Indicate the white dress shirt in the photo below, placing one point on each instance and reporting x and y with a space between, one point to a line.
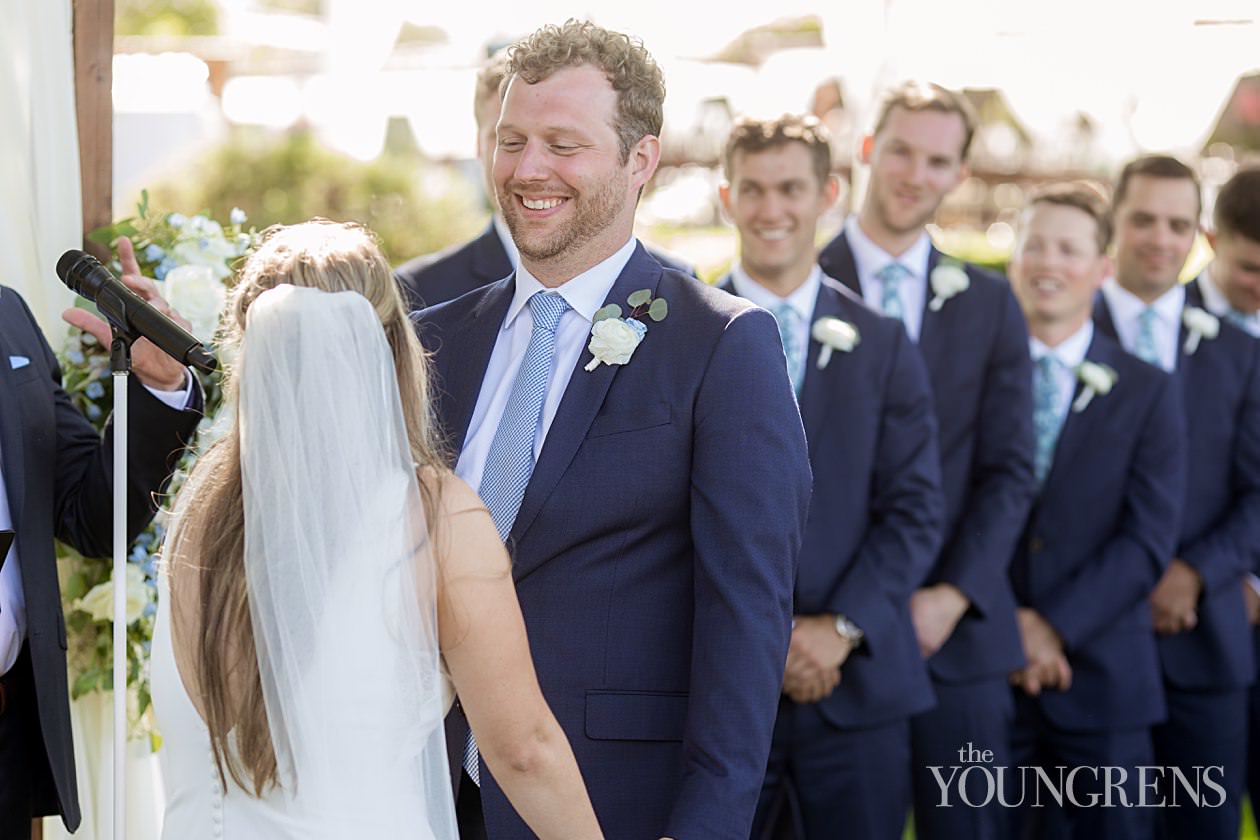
870 259
1214 301
585 294
1070 353
12 599
802 300
1127 307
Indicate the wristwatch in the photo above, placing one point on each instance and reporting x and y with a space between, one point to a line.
849 631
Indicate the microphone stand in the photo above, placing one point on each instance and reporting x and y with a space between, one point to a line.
120 368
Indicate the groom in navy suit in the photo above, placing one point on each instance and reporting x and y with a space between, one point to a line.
436 278
854 673
1200 616
1111 453
656 515
972 336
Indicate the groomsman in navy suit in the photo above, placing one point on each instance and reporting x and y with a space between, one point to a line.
1110 458
1229 288
1200 616
436 278
972 336
854 673
647 469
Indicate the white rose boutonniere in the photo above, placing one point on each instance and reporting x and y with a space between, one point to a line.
1201 324
1097 379
834 334
614 338
948 279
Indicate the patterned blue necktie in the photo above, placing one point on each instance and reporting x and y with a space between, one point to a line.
1144 343
510 461
789 332
1046 418
890 277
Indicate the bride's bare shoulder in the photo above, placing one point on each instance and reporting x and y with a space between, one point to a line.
464 534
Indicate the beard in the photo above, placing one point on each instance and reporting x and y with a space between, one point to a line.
593 213
916 222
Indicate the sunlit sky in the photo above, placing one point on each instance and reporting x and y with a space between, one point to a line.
1150 75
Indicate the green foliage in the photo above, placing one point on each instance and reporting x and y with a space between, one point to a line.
612 310
415 207
166 17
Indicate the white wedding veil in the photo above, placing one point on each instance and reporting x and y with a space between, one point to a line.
341 578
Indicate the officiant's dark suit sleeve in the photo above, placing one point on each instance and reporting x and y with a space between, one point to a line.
59 475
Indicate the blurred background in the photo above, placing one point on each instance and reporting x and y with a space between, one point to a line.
362 109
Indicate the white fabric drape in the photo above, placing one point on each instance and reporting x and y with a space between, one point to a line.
40 193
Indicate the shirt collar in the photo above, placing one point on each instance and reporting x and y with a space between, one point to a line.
802 299
1128 307
585 293
1214 299
871 257
505 239
1071 351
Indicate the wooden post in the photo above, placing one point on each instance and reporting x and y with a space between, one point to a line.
94 103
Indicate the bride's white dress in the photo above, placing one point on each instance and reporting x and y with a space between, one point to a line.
342 595
198 806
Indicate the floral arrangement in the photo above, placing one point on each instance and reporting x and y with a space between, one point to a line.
192 260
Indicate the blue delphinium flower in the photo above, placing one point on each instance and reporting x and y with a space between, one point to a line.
237 216
176 220
95 390
75 357
163 268
153 253
93 411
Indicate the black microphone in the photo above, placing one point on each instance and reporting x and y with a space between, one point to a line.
128 312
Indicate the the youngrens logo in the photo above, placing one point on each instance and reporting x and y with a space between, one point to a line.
976 782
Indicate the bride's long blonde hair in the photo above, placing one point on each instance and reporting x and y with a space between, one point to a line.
209 534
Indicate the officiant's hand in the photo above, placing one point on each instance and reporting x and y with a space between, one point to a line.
154 368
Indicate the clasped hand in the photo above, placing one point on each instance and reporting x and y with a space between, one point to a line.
815 654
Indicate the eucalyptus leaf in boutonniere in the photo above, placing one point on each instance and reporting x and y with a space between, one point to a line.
1201 324
614 338
1097 379
834 334
949 278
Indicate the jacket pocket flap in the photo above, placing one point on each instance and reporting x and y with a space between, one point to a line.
635 715
640 417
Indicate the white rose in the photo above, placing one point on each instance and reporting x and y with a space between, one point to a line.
948 279
194 292
212 251
1097 379
613 341
99 601
1201 324
833 334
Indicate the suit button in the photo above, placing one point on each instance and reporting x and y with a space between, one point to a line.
1035 545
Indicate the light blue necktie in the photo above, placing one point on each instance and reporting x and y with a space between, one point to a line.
890 277
789 332
1239 319
1047 420
1144 344
510 461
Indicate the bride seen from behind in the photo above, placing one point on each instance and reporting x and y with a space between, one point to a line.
326 570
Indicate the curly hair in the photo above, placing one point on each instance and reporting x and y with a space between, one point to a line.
627 65
751 136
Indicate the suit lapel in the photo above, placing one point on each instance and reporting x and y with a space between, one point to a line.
843 266
10 428
1103 319
1077 424
582 400
931 327
464 366
815 391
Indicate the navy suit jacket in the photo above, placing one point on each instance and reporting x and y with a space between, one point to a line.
877 513
654 551
58 471
436 278
1099 537
976 350
1219 386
